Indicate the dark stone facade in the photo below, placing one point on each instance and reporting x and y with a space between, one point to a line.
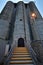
16 23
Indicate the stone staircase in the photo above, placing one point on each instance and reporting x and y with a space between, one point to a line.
21 56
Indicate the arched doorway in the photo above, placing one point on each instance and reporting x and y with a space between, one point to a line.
20 42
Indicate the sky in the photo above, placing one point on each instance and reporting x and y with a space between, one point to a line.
39 4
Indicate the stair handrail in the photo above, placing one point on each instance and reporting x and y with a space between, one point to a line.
9 55
34 53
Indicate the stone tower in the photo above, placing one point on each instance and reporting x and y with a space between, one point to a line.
21 21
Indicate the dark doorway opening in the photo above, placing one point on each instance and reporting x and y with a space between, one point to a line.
20 42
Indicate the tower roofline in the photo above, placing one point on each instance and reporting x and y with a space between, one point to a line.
31 2
20 1
9 2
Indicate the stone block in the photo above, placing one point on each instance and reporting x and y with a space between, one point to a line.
2 49
4 29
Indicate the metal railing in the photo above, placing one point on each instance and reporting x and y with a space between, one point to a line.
36 55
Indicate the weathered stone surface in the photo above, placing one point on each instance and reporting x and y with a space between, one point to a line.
33 9
2 49
37 29
38 49
4 29
21 26
7 11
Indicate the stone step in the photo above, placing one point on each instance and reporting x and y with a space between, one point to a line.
21 53
27 58
21 56
21 48
21 62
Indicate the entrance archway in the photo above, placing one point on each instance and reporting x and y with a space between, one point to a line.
20 42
